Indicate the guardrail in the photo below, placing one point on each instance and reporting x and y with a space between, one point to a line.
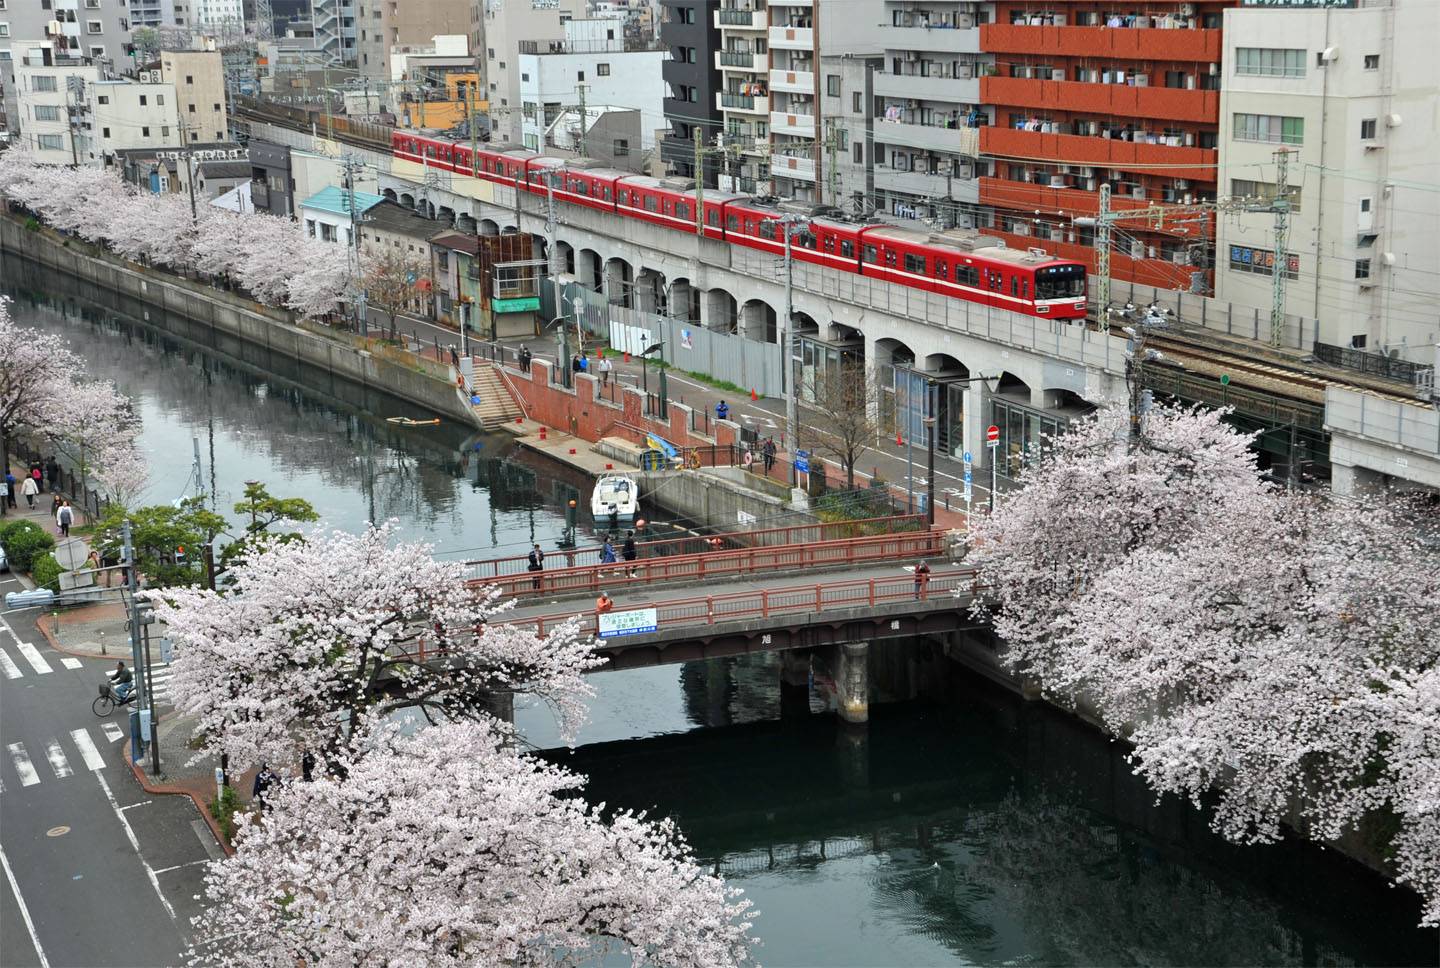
711 566
485 572
771 602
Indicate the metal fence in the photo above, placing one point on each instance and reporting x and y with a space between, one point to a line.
1418 375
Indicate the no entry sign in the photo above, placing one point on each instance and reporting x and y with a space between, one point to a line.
992 434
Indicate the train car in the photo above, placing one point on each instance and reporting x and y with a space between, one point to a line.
753 223
837 244
714 203
590 185
659 201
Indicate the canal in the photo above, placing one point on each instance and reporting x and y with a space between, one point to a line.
964 826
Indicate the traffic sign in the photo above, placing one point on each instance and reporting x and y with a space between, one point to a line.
992 435
1224 379
967 475
967 457
802 461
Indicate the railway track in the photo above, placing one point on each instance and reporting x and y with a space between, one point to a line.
1263 376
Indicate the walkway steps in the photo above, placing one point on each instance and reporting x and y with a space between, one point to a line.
497 404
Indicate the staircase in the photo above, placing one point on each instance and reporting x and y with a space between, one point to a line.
497 403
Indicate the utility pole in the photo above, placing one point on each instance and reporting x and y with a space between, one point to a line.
470 123
352 168
1102 257
699 180
832 175
189 164
137 663
562 348
580 92
787 353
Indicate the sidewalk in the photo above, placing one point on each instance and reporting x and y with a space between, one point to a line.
70 552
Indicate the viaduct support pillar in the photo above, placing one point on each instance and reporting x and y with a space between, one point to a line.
794 684
853 682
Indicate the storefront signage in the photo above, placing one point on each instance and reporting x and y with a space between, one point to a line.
525 304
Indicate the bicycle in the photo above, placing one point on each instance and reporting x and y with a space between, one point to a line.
107 701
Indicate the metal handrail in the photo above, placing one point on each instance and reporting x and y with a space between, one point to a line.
792 534
710 566
514 393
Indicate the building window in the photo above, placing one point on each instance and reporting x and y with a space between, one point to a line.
192 109
857 103
1269 62
1366 241
48 112
104 132
1270 128
165 131
4 28
579 75
327 232
103 99
145 132
524 77
1362 268
859 153
189 78
51 142
1264 191
602 70
159 99
1244 258
43 82
143 102
622 148
1372 61
832 85
94 27
215 106
1367 129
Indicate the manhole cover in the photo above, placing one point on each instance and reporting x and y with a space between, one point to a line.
57 831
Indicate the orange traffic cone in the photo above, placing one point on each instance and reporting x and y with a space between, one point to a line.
753 397
627 356
899 442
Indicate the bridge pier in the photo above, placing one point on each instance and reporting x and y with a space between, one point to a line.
852 682
794 684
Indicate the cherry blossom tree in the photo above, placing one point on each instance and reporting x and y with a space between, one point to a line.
36 369
90 422
447 848
1275 649
325 636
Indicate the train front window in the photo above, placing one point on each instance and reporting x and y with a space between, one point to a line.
1060 282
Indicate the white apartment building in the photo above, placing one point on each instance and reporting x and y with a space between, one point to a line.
49 94
771 90
1352 95
216 13
123 114
504 24
928 108
591 63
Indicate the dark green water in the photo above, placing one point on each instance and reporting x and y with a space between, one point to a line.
963 826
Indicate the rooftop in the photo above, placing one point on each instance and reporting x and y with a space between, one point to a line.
390 217
337 201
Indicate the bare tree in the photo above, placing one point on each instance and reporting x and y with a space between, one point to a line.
392 282
844 420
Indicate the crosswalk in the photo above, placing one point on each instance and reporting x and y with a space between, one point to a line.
28 661
61 756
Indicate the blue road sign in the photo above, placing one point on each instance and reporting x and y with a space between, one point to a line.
802 461
967 457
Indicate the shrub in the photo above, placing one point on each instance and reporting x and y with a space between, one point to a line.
223 810
23 542
46 572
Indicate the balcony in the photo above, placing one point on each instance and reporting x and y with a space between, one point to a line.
930 137
740 60
1125 43
1158 160
798 125
946 40
1020 196
795 82
743 103
915 87
733 19
792 38
1116 100
926 185
801 169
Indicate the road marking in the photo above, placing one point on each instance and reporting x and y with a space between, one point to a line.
88 752
59 765
23 766
132 806
135 844
71 662
32 655
188 863
24 911
112 732
7 664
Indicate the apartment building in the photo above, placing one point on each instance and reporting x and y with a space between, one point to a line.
1083 94
383 25
744 96
49 99
1350 95
97 31
852 157
120 114
198 77
593 63
505 23
690 33
217 13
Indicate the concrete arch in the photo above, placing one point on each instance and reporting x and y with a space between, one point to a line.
893 352
509 229
407 200
757 321
1011 385
588 269
427 208
805 324
648 292
446 215
465 222
682 301
945 365
488 226
618 279
389 194
565 257
718 311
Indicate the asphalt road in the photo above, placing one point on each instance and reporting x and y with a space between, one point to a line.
95 870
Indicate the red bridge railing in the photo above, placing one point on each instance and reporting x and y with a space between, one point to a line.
719 565
484 572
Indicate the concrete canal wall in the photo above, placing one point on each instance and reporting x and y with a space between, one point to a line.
271 340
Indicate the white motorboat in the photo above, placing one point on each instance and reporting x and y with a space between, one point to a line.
615 500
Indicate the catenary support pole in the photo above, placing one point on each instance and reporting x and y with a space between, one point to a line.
136 659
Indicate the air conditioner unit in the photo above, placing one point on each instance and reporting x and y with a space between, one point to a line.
967 170
1393 120
1137 251
1092 185
965 21
1137 191
1187 9
1181 258
1181 184
1056 74
965 71
1064 169
1087 172
1142 80
1329 55
1057 181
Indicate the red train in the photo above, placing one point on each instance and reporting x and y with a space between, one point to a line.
966 266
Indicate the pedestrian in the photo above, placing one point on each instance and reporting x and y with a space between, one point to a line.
52 471
536 565
722 411
584 363
922 579
629 552
307 766
38 476
768 453
525 359
64 517
92 561
10 484
747 459
607 552
575 363
264 779
30 489
603 604
605 367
